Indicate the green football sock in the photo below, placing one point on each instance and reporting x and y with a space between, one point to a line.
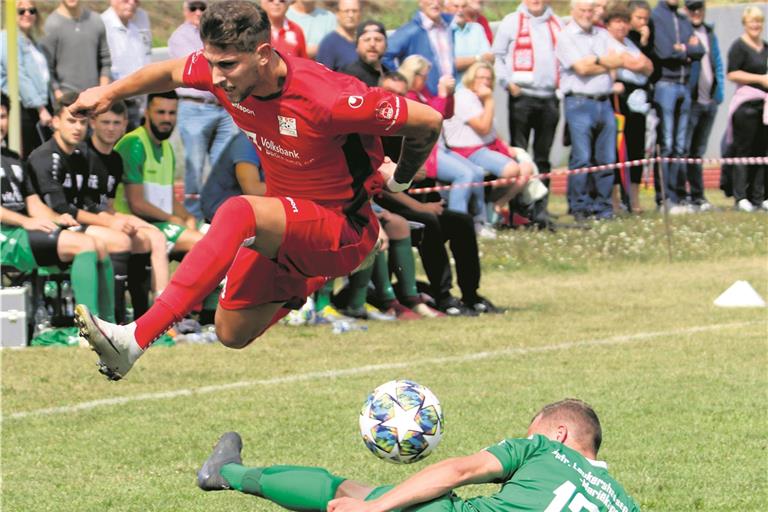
381 280
106 289
293 487
404 266
323 296
358 288
85 281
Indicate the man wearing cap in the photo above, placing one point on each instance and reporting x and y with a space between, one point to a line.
371 46
676 47
338 48
204 125
706 88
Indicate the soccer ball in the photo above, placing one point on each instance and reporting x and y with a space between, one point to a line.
401 421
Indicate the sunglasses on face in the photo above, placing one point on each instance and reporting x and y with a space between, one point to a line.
197 7
26 10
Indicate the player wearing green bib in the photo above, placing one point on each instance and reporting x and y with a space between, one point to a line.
553 469
149 172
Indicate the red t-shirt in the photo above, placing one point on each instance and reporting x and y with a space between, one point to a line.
289 39
319 138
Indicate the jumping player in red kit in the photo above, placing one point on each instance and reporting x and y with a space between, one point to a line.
318 135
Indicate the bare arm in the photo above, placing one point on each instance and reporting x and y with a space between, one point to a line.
247 175
483 124
419 133
744 78
134 195
429 483
637 63
158 77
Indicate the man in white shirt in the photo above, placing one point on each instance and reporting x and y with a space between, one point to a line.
130 43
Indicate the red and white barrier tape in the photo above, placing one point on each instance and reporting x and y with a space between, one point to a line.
750 160
595 168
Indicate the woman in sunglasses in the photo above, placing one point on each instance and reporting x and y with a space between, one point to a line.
34 78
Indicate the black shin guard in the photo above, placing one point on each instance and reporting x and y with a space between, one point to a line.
120 266
139 282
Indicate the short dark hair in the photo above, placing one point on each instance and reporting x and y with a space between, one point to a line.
120 108
580 413
393 75
67 100
239 24
169 95
616 10
5 101
634 5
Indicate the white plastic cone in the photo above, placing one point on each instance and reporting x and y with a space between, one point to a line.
740 295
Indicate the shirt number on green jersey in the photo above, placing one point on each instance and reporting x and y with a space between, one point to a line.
563 495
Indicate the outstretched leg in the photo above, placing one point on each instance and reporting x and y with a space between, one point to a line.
293 487
201 271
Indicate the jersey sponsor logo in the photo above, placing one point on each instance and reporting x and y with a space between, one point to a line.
293 204
355 101
243 109
287 126
272 148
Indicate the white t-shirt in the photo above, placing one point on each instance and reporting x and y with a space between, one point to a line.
458 133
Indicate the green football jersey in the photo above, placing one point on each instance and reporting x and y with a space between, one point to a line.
544 475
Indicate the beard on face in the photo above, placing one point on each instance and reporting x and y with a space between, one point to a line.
157 133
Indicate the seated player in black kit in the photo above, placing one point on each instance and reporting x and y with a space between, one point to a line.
440 225
62 172
147 242
32 235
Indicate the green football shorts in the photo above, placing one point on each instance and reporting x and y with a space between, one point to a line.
15 250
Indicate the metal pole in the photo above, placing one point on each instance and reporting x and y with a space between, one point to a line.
664 205
12 66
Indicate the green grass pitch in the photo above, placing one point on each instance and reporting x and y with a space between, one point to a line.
602 315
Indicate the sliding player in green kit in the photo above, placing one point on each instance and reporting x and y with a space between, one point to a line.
553 469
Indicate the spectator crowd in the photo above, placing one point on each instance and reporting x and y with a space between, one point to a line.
624 78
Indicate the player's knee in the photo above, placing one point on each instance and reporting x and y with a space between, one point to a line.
120 243
236 207
84 243
511 170
232 338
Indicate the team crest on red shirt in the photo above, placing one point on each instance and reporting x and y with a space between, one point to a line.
384 111
287 126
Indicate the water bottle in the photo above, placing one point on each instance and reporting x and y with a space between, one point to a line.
68 299
50 296
42 319
342 326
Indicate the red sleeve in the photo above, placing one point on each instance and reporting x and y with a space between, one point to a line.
373 111
197 72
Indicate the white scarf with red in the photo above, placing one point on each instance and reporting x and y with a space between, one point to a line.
522 56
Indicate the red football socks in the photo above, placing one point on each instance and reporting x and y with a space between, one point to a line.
201 270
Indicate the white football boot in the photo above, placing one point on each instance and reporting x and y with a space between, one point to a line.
115 344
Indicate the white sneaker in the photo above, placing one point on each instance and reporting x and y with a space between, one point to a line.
485 232
678 209
115 344
704 206
745 206
764 205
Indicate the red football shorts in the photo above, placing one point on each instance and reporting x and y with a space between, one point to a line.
319 243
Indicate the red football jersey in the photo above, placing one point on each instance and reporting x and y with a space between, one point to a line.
319 138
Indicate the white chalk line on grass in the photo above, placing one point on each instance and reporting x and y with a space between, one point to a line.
331 374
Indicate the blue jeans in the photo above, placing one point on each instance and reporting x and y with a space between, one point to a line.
592 127
455 169
673 105
205 130
700 123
